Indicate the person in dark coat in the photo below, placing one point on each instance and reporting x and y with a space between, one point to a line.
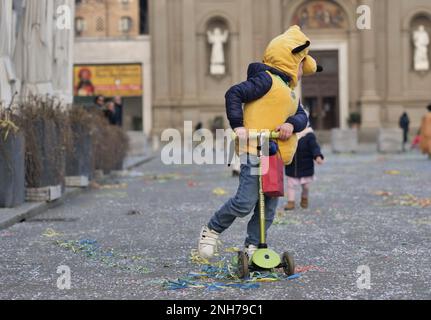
110 112
404 124
301 170
118 111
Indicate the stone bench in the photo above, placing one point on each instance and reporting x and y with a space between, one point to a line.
390 140
344 140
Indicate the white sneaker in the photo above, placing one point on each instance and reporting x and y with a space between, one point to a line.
207 243
250 249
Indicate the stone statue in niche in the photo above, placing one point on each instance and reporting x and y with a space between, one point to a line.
217 38
421 41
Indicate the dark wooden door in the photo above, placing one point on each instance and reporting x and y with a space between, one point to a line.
320 92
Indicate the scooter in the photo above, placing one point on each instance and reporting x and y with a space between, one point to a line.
263 259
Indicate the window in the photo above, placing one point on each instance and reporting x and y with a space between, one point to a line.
143 9
100 24
80 26
125 24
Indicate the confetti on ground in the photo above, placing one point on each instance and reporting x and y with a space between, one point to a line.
220 275
114 186
162 178
112 194
408 200
215 278
192 184
304 269
219 192
383 193
51 233
280 219
91 249
6 234
392 172
421 222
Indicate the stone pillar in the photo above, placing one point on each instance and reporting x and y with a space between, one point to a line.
369 97
7 76
34 48
246 36
62 71
189 56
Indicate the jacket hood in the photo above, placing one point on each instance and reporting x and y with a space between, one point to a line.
287 51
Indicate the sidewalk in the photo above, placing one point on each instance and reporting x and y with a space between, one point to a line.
11 216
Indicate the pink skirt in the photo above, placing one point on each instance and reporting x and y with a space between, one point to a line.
292 182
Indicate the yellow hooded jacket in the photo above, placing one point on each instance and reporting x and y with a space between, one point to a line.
284 53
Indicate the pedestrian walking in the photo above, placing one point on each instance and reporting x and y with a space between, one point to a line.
118 101
404 125
109 112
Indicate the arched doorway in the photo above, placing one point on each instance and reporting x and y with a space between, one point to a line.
325 95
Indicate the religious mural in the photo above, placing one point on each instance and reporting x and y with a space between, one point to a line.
319 14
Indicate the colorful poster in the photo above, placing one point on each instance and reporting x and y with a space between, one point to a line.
109 80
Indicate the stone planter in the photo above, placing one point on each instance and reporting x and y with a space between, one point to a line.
45 162
12 170
390 140
344 140
50 193
79 159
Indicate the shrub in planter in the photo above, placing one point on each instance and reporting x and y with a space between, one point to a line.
79 154
110 144
12 172
45 128
354 120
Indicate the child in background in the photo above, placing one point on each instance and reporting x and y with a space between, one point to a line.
301 171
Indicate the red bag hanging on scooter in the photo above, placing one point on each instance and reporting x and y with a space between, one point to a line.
273 176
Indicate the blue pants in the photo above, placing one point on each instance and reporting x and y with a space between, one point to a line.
245 200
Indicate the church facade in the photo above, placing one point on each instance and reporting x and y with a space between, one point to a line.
375 55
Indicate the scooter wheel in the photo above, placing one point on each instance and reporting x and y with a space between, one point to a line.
243 271
288 264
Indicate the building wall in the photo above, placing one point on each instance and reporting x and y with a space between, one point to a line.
112 46
102 18
117 51
379 78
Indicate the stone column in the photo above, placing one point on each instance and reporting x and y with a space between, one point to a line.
63 56
7 77
369 97
34 48
246 36
189 56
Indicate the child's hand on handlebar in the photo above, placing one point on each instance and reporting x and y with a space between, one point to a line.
241 133
286 131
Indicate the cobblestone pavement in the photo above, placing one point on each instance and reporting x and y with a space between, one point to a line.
123 240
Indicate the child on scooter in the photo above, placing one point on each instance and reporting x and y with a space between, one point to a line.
270 104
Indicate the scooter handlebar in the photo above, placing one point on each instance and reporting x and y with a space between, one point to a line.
256 135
